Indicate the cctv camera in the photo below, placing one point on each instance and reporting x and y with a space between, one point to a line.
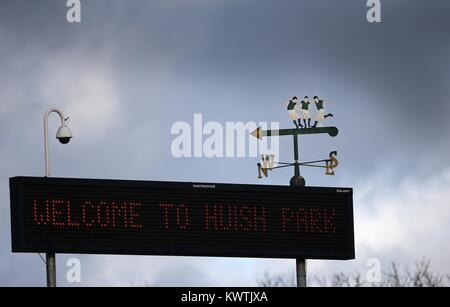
64 135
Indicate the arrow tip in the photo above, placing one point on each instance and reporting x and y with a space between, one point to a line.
257 133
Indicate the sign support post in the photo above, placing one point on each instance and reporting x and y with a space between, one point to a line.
51 269
301 273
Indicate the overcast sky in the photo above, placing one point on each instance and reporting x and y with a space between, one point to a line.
131 69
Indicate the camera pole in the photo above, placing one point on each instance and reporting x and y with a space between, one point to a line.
64 135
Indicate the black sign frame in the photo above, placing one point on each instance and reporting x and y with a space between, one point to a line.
340 247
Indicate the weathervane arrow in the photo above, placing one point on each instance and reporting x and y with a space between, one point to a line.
259 133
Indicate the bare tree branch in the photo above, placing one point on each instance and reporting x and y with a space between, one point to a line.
420 276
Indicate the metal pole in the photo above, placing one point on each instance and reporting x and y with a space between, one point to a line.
301 273
300 263
296 167
50 257
51 269
47 167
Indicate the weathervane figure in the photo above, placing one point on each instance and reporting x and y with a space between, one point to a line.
320 111
293 114
305 115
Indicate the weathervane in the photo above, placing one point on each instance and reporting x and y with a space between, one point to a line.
267 161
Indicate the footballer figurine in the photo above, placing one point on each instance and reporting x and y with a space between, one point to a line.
292 110
320 111
305 115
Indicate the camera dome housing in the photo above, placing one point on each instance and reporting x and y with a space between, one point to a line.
64 134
